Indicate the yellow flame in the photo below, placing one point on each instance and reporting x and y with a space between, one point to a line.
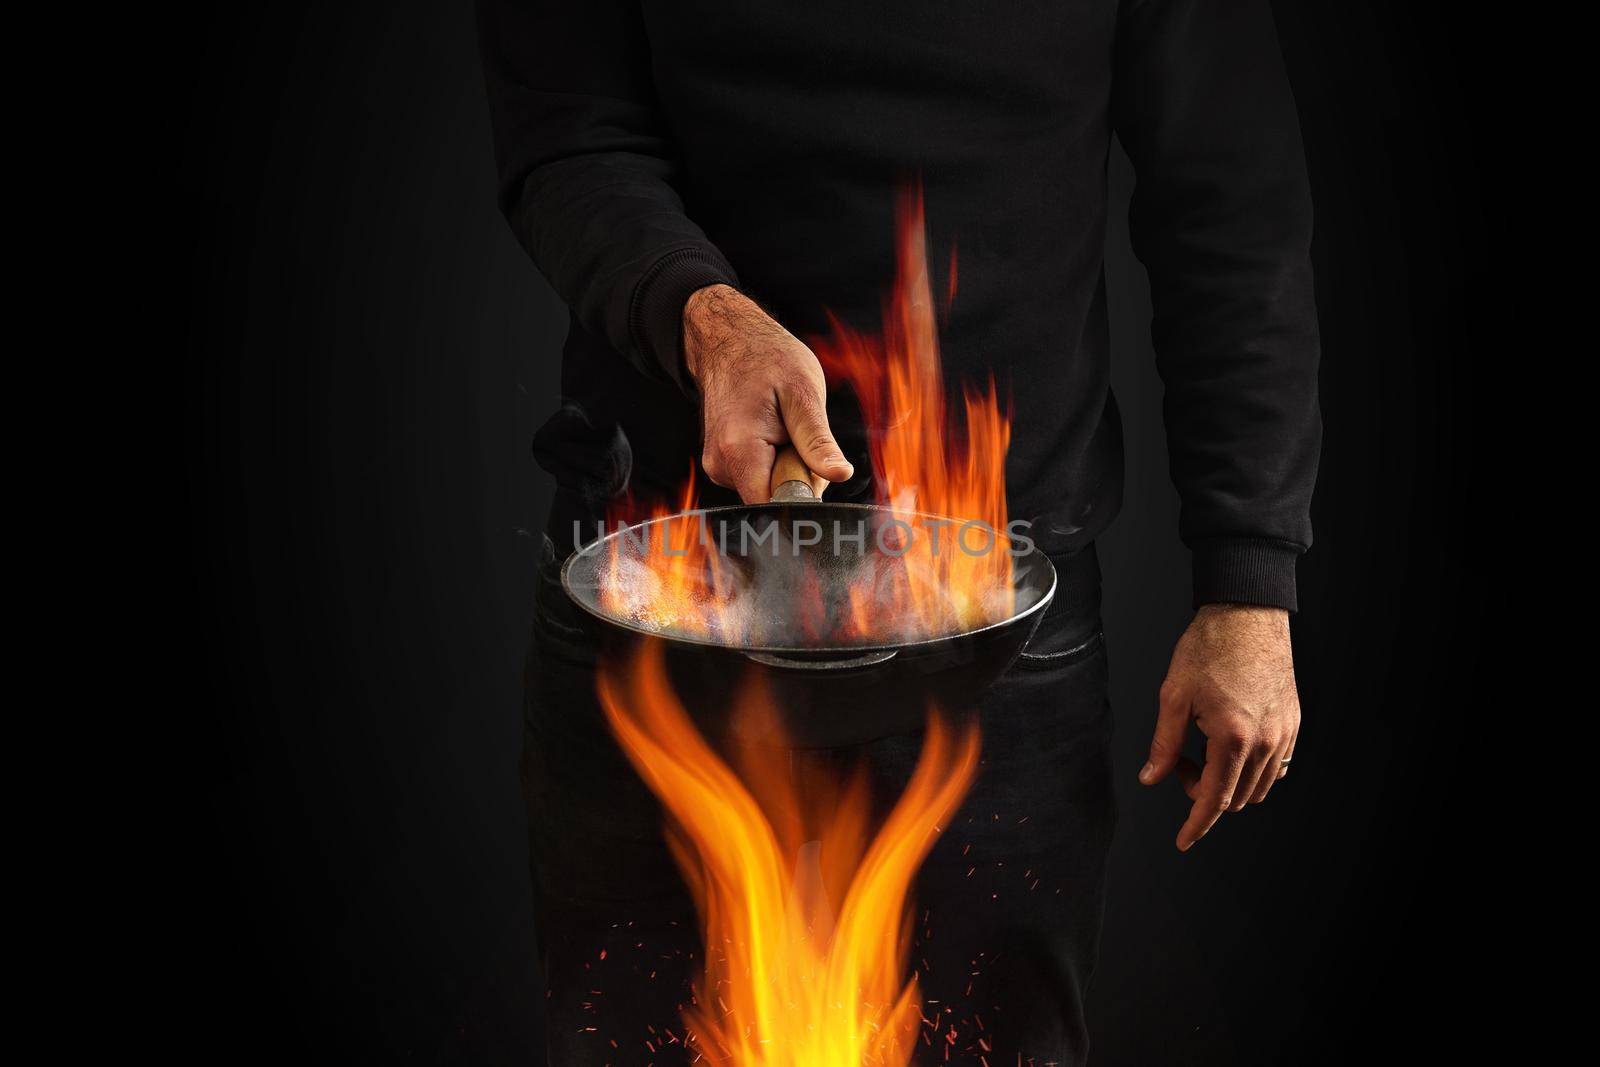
806 921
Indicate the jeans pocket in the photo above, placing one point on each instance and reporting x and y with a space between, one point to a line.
1070 631
1060 649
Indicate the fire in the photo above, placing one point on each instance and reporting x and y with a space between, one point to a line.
667 575
805 907
805 913
947 580
944 481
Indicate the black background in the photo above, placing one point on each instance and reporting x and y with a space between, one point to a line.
369 354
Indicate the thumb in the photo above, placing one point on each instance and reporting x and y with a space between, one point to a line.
805 416
1172 722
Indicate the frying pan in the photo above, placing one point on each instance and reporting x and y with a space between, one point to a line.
827 695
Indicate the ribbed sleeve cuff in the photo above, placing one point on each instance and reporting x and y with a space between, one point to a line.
656 319
1245 571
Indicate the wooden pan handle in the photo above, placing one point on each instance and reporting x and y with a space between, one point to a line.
792 480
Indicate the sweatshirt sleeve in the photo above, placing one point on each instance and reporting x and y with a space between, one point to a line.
585 172
1221 219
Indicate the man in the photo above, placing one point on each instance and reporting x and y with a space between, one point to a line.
667 165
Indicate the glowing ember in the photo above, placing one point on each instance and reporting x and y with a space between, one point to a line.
938 576
806 920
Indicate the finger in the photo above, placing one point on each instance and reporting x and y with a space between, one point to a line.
1269 773
1224 760
1258 762
805 416
1283 764
1272 772
741 461
1172 722
752 472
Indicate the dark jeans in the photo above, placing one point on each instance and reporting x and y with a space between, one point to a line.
1008 903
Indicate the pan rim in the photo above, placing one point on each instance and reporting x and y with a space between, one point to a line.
594 548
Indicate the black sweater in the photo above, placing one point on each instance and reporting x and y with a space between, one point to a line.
647 148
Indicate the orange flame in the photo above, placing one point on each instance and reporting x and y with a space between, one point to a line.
805 909
807 924
667 575
947 580
944 481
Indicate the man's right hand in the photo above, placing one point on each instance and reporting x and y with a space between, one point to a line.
761 389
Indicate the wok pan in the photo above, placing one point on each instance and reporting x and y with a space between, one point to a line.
828 695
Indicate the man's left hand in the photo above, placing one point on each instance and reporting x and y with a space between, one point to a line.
1233 674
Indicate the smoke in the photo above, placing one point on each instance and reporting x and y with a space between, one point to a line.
804 579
